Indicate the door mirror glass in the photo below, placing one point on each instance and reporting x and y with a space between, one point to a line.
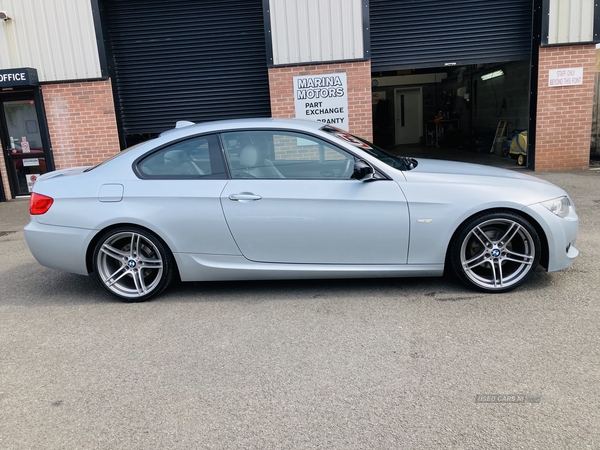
363 171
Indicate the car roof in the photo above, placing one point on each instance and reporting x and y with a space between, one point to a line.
234 124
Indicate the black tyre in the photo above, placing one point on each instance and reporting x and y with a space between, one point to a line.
521 160
132 264
495 252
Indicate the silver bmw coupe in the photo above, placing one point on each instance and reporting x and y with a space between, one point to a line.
287 199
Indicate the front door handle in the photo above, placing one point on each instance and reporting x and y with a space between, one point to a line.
244 196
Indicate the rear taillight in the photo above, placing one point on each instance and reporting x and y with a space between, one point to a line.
39 204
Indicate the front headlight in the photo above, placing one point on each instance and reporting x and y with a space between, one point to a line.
560 206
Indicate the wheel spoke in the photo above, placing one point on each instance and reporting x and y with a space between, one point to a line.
494 278
135 244
526 259
500 274
114 253
138 279
516 228
109 284
526 263
486 240
478 260
150 263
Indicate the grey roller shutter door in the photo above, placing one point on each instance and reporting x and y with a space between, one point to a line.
192 60
434 33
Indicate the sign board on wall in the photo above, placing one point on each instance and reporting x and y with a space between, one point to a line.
323 98
18 77
31 179
31 162
378 96
565 77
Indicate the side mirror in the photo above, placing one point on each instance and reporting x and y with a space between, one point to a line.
363 171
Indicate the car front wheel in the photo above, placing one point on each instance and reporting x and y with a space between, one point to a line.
132 264
495 252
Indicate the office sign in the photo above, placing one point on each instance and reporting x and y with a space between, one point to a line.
18 77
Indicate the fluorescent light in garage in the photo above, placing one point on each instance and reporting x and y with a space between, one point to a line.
489 76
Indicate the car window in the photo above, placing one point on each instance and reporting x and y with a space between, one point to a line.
198 157
395 161
284 154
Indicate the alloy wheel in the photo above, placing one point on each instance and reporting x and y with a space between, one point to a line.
498 253
131 264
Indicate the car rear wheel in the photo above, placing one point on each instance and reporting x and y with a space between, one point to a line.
495 252
132 264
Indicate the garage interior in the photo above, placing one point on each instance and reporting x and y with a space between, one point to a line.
466 113
451 80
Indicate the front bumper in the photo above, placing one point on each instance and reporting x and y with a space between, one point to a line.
560 234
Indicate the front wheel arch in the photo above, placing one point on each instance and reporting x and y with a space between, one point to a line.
538 228
540 231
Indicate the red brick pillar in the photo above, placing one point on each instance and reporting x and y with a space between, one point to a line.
81 121
358 76
564 113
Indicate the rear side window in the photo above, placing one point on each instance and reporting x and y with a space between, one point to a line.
198 157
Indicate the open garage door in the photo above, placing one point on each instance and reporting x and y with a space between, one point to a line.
433 33
470 59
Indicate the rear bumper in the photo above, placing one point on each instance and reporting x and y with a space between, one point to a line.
61 248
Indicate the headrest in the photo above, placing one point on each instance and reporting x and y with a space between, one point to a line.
250 156
175 157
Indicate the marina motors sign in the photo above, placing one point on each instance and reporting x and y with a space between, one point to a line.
323 98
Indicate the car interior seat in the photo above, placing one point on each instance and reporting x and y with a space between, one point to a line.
177 162
254 163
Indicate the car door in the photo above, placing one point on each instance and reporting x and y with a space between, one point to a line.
178 192
308 209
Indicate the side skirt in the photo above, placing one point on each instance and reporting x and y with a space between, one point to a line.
224 267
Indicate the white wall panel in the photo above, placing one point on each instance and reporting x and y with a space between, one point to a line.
570 21
56 37
304 31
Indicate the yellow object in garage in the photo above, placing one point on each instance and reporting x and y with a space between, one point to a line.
518 147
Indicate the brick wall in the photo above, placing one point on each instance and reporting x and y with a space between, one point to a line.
81 121
4 176
358 76
564 114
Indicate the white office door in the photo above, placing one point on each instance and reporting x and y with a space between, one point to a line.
409 115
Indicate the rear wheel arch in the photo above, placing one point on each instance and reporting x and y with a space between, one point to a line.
92 245
132 262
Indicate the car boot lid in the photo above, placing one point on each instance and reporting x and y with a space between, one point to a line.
63 172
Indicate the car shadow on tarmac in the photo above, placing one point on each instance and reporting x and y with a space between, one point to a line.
49 287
